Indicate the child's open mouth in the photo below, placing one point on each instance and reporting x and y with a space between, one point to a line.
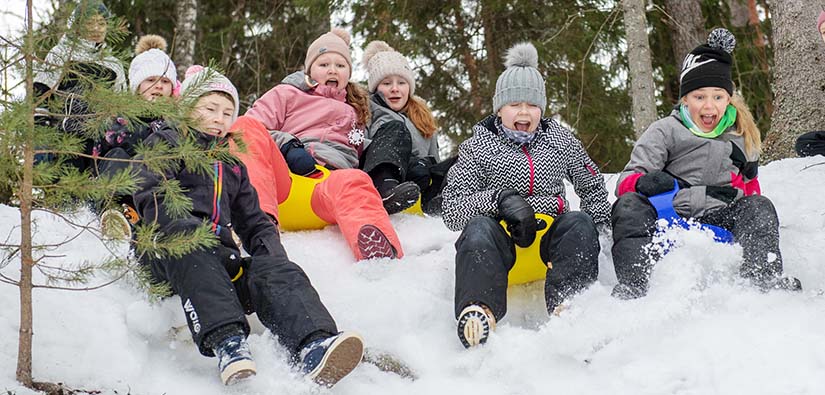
332 83
522 126
708 121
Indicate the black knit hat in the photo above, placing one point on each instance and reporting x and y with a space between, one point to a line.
709 64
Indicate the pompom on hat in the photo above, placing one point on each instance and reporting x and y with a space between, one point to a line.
382 61
521 82
151 60
709 65
336 41
201 80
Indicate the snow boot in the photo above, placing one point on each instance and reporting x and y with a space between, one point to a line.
234 360
398 197
114 225
433 207
474 325
628 292
117 224
326 361
771 283
372 243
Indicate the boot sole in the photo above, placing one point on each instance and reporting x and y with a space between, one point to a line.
238 371
373 243
402 198
473 326
341 358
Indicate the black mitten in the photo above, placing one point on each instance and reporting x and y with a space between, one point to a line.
654 183
519 216
297 158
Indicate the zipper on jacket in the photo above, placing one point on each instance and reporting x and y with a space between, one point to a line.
532 170
217 180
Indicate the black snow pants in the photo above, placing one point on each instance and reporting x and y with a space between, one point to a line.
485 254
271 285
391 147
752 220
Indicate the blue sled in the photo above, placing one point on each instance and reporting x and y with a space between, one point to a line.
663 203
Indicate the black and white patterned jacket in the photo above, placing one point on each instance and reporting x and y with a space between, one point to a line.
489 162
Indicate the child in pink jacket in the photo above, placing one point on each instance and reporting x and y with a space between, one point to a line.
317 116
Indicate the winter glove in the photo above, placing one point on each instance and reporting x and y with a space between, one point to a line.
654 183
297 158
519 216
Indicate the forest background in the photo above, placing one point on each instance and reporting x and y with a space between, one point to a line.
456 47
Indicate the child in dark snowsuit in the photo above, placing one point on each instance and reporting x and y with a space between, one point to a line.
68 69
709 145
401 149
152 75
215 288
514 167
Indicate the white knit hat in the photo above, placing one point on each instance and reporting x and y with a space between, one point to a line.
382 61
151 61
201 80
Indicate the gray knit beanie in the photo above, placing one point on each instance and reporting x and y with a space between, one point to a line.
521 82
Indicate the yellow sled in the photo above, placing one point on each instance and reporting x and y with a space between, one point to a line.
528 266
295 213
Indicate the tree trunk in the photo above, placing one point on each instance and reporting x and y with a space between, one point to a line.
642 88
687 26
799 80
469 60
185 34
24 342
229 46
739 12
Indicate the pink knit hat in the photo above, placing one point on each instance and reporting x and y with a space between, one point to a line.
336 41
820 20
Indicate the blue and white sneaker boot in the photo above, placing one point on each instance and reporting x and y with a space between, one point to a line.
327 361
234 360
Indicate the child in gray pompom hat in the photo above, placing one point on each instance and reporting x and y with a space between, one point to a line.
512 168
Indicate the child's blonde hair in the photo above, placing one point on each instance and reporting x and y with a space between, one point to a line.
746 127
421 116
359 99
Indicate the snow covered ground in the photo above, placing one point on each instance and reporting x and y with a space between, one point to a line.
699 331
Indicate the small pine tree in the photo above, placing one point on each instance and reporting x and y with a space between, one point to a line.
59 187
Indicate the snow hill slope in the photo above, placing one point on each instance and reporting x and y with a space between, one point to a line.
699 331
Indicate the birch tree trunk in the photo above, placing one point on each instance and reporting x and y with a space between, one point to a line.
687 26
185 34
642 88
799 75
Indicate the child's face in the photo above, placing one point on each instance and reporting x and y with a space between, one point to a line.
707 106
822 31
330 69
396 91
155 87
213 113
96 28
520 116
